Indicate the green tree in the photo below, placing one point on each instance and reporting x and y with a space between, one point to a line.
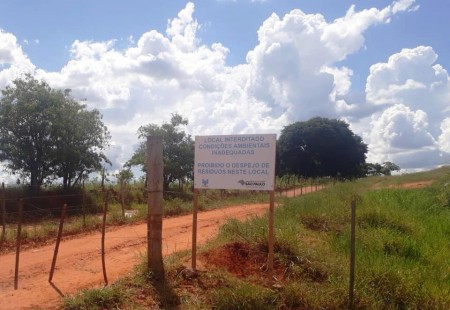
27 112
388 167
81 138
321 147
385 169
45 134
178 150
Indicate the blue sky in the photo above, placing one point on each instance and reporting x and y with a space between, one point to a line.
234 67
57 24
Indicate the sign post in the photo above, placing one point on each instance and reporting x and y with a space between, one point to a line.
242 162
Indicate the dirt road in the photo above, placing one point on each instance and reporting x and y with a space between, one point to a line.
79 260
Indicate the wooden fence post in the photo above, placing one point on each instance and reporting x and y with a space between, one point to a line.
122 196
2 238
194 230
105 210
58 240
351 303
155 168
18 241
271 232
83 205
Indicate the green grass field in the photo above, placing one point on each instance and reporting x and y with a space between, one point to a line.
402 255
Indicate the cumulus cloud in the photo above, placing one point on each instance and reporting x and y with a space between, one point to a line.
292 74
444 138
293 68
392 130
411 92
13 61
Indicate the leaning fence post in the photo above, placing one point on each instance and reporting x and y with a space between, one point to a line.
18 241
58 240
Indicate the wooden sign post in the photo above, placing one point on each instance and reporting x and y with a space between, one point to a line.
242 162
271 236
194 230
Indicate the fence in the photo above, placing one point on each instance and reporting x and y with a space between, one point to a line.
23 216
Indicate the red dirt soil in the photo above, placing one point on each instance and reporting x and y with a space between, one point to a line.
411 185
79 259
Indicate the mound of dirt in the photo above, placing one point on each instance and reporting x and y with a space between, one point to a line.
237 258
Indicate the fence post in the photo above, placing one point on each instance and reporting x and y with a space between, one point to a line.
58 240
271 233
2 238
105 210
351 302
194 230
83 205
155 168
18 241
122 196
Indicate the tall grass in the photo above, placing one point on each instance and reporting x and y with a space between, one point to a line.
403 252
403 238
112 297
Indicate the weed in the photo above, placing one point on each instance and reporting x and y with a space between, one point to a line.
244 296
110 297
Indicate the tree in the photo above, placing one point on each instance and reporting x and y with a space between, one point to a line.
178 148
46 134
27 111
385 169
321 147
81 138
388 167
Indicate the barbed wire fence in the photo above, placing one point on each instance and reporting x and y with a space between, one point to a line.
22 216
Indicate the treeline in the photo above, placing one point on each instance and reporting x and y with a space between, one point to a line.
47 136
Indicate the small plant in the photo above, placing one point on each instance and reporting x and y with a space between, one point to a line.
110 297
244 296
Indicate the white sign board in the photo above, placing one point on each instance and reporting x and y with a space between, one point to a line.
235 162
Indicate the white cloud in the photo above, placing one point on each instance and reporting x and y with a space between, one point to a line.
293 68
13 61
409 76
292 74
399 129
404 5
444 138
412 93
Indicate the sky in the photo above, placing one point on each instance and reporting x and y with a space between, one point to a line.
245 66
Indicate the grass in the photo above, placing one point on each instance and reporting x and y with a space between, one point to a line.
245 296
39 232
402 255
111 297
